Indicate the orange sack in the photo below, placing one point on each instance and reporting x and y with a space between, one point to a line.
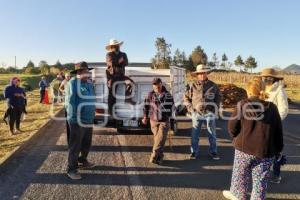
46 98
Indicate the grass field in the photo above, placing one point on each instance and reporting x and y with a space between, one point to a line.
32 80
38 115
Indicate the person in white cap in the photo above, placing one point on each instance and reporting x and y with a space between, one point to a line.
116 62
202 100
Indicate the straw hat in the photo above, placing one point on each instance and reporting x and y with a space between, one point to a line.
113 42
201 69
270 72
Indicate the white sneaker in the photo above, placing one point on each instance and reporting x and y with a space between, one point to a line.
228 195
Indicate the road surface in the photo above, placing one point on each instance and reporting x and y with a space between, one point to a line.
123 170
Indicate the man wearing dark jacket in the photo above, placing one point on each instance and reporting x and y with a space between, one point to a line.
16 100
116 62
202 100
158 107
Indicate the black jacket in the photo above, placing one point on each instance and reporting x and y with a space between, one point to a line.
257 128
115 68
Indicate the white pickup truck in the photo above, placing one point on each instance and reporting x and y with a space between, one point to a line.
128 115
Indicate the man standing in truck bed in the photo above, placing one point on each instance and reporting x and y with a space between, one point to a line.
116 62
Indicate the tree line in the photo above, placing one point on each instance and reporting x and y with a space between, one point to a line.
163 59
42 68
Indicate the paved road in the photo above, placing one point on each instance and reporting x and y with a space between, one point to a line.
123 171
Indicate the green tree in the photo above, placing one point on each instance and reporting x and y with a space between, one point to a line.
177 58
224 60
214 61
32 70
30 64
12 70
239 62
2 70
250 63
162 59
58 65
198 56
44 67
69 66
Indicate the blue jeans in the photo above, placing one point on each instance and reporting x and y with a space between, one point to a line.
197 120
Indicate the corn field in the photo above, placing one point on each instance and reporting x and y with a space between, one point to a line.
292 81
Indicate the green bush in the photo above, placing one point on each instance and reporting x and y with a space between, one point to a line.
26 86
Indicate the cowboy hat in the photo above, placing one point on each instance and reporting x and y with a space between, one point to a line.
113 42
201 69
80 66
270 72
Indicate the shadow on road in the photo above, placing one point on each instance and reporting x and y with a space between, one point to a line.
22 169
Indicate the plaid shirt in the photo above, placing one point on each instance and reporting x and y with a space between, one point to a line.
158 107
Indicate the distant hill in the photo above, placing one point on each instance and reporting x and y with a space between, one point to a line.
277 68
293 69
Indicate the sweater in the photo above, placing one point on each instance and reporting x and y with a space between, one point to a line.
256 128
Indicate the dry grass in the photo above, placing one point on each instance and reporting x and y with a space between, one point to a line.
38 115
240 80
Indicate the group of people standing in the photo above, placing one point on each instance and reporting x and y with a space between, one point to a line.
57 87
255 125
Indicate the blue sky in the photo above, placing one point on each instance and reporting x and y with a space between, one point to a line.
75 30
